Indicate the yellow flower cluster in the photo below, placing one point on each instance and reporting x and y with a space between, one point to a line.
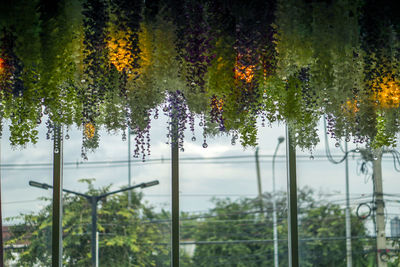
89 130
120 47
217 103
350 107
145 46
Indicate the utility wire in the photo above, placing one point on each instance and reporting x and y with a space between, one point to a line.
356 197
162 160
123 163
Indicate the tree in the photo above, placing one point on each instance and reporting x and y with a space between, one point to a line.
227 222
232 233
245 236
128 236
321 235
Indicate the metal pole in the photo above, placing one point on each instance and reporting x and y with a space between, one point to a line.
57 198
380 207
175 191
97 249
259 182
129 167
348 218
93 201
274 216
293 245
1 220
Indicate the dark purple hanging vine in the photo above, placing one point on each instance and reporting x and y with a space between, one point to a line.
176 109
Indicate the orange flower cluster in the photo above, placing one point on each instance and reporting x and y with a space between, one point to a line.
4 74
243 72
2 65
388 94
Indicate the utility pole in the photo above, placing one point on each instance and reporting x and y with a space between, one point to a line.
348 218
380 207
259 182
93 200
129 167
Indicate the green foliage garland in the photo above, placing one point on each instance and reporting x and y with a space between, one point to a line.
111 64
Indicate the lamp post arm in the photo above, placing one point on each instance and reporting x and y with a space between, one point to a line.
47 186
142 185
77 193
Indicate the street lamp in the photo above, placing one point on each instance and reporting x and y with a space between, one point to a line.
274 218
94 200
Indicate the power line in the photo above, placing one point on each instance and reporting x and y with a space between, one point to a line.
210 196
22 201
78 164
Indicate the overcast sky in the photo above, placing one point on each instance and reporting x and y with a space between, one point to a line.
199 180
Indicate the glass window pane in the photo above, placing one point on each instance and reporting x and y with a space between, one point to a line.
322 204
223 220
128 235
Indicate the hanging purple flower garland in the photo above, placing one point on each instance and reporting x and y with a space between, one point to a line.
177 110
197 44
142 142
